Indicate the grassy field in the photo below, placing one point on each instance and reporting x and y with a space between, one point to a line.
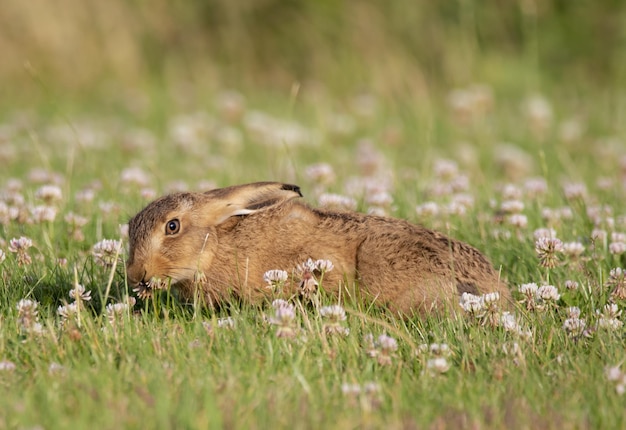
514 157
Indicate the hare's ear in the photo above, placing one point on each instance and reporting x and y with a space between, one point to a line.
223 203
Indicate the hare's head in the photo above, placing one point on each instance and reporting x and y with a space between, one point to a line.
175 236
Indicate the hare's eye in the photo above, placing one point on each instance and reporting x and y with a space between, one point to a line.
172 226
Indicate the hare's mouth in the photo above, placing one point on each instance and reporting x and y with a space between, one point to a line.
144 289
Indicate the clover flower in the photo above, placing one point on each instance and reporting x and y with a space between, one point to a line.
27 313
43 213
518 220
334 315
573 249
428 209
367 395
75 224
115 312
309 272
614 374
617 283
107 252
320 173
383 348
548 293
20 247
146 290
571 285
437 365
284 318
336 201
575 327
79 294
547 250
7 366
548 233
472 304
609 317
510 323
512 206
69 312
574 190
617 248
49 193
275 279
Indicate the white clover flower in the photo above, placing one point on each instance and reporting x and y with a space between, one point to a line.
79 294
617 248
575 190
428 209
599 235
27 312
548 293
518 220
274 278
573 312
548 233
472 304
618 237
350 389
547 250
535 186
56 368
574 326
438 365
324 265
571 285
512 206
67 312
116 311
280 303
379 198
529 289
609 323
445 169
21 244
307 266
226 323
106 252
439 349
614 373
510 323
490 298
386 344
7 366
573 249
74 220
334 313
135 176
49 193
337 201
284 318
334 316
321 173
85 196
43 213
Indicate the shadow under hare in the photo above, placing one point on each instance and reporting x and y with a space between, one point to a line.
220 244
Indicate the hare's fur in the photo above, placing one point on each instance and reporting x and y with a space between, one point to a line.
230 237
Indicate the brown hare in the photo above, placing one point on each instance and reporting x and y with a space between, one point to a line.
220 244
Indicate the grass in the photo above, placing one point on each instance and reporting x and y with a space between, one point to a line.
166 364
524 151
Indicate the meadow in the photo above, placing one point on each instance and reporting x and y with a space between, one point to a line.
501 152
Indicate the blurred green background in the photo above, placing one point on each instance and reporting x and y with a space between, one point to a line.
111 50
